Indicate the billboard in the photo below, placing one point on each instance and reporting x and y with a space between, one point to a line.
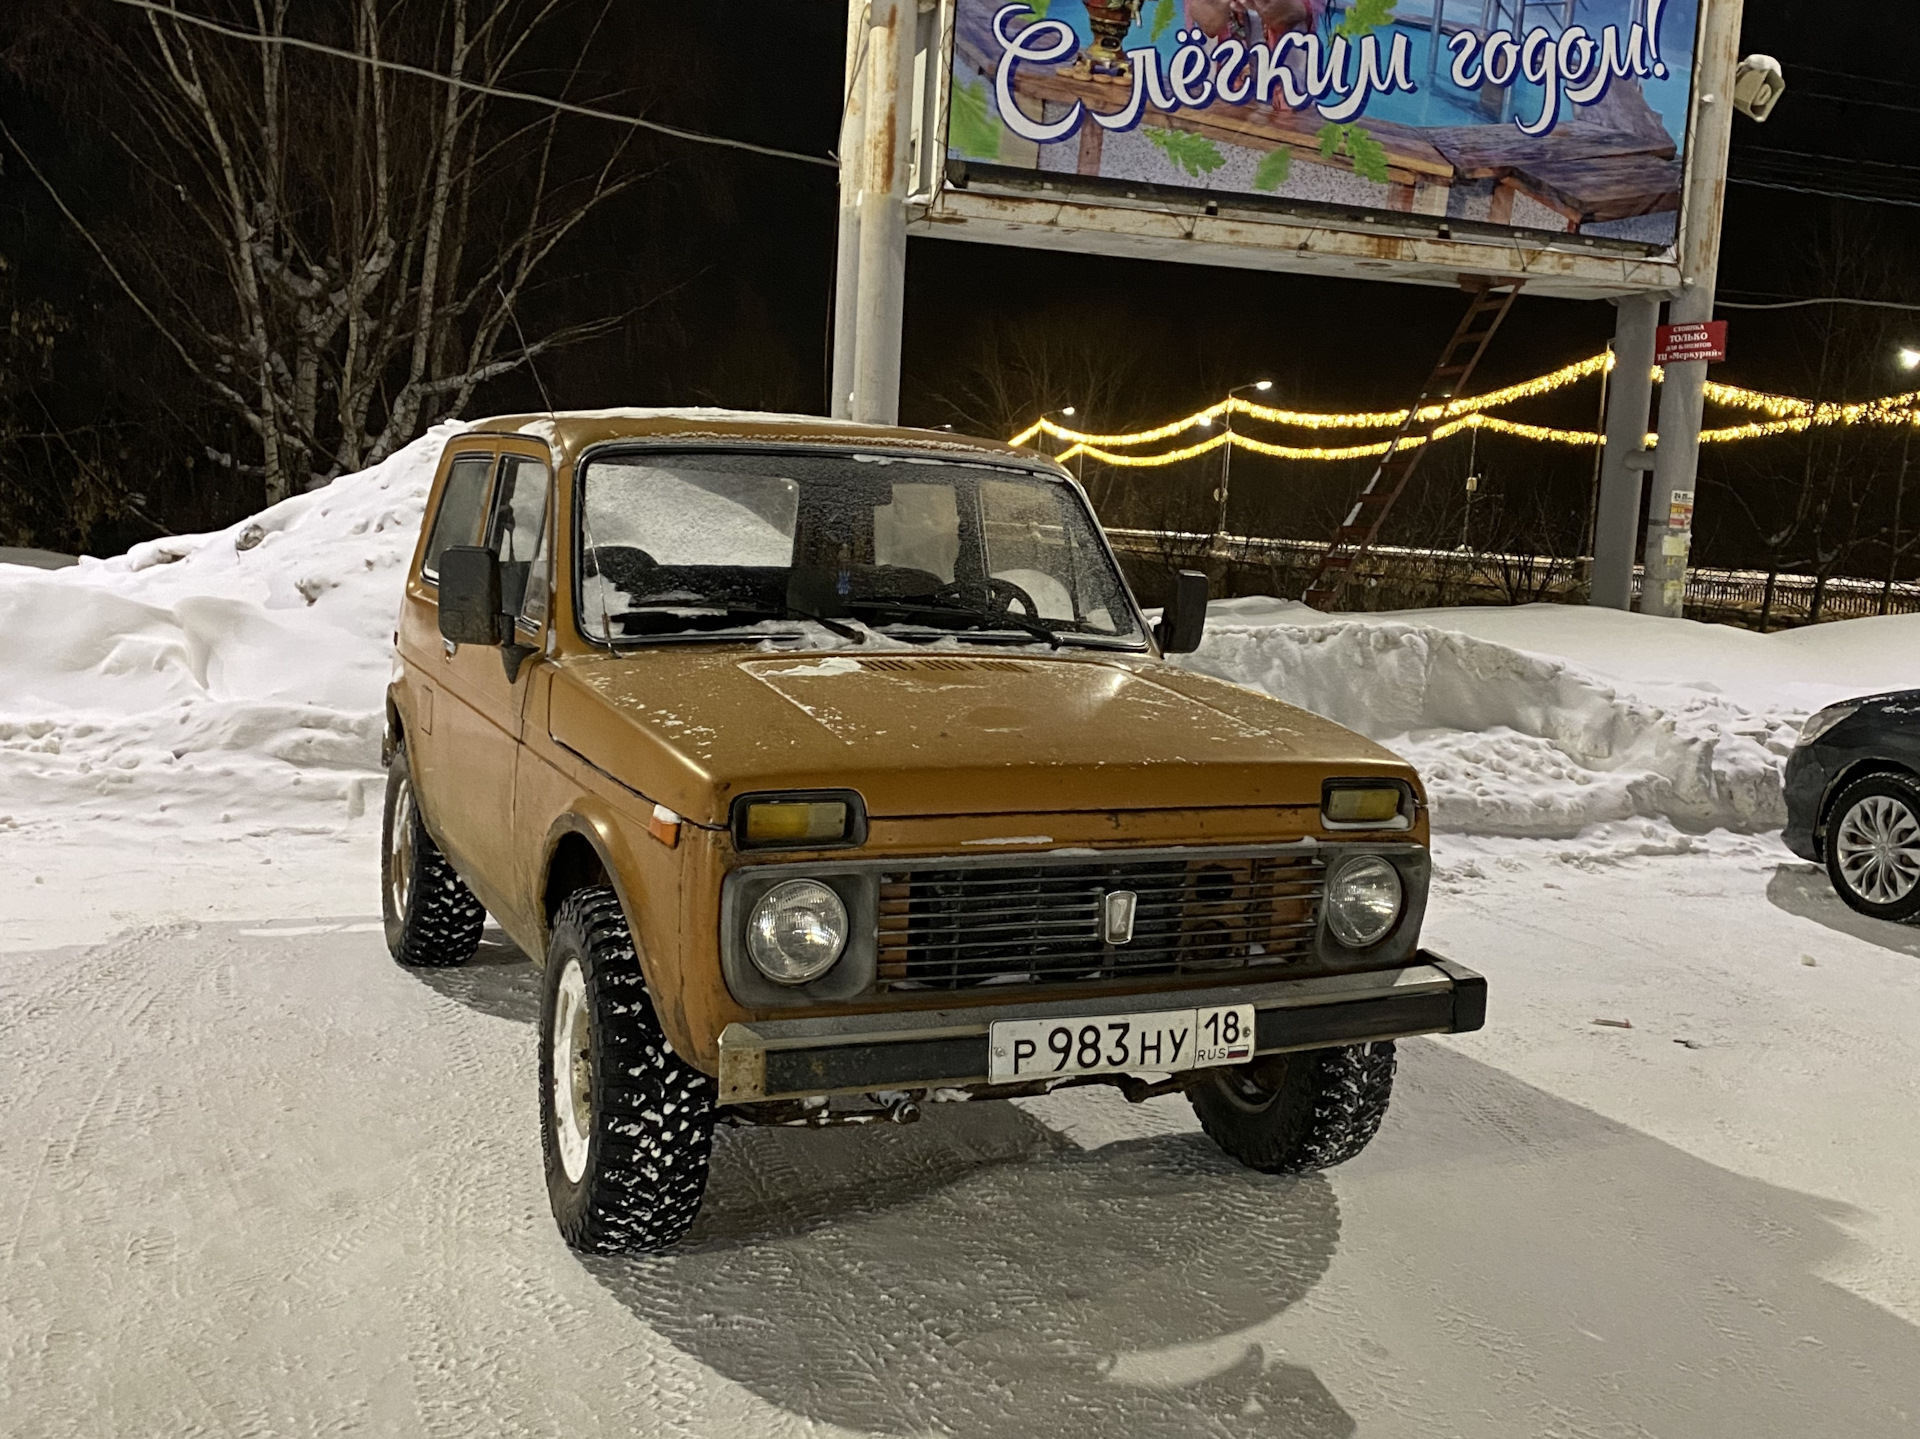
1564 117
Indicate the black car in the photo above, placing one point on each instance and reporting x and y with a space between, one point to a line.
1853 801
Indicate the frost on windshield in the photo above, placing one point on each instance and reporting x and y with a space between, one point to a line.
711 542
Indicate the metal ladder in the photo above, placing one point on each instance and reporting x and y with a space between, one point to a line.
1491 301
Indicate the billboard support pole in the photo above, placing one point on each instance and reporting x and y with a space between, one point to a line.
1682 397
892 27
1625 459
846 267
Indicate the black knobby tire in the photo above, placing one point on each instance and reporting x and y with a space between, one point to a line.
1894 797
647 1119
432 919
1295 1113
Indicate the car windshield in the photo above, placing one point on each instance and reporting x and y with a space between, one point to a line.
706 543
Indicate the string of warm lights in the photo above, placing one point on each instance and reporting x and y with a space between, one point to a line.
1788 415
1587 439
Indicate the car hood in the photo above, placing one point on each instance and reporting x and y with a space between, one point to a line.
923 733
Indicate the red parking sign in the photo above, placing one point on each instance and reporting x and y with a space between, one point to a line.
1680 343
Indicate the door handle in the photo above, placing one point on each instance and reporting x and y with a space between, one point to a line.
449 646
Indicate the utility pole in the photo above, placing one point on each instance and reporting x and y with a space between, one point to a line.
1625 462
1683 398
846 273
880 285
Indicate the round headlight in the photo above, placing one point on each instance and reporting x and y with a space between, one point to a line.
797 931
1363 901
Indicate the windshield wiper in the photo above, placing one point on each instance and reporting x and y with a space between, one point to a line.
652 620
846 632
981 619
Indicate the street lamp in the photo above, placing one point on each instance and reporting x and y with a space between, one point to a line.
1909 359
1226 457
1066 412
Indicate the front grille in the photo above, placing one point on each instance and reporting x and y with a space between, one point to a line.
960 926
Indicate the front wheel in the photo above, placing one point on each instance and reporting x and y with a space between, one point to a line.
1873 846
626 1124
1295 1113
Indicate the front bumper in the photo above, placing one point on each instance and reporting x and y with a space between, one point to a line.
1806 783
851 1054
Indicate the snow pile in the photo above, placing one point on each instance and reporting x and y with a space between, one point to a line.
1686 724
231 678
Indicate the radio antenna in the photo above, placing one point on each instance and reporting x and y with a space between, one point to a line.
586 524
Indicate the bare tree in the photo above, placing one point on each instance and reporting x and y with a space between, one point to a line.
337 253
1826 501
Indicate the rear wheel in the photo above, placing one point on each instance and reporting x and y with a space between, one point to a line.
1295 1113
432 918
626 1124
1873 846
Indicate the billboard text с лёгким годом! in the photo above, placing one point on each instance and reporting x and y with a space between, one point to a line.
1534 114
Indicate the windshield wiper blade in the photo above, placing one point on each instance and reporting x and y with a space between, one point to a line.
721 609
982 620
846 632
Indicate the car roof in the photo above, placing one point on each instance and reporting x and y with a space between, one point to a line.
569 432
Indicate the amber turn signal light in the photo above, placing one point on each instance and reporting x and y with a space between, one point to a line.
779 823
799 821
1371 805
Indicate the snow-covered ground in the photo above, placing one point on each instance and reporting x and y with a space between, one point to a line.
253 1177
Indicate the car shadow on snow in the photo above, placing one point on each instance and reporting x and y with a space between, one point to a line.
978 1274
1503 1255
499 980
1805 890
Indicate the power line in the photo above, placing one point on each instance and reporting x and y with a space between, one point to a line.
1822 300
1856 100
475 86
1855 75
1753 151
1827 194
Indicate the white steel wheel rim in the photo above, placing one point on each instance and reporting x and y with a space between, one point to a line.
400 850
572 1096
1878 846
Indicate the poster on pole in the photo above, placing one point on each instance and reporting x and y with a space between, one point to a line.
1563 117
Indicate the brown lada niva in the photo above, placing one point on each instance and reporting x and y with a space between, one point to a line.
831 771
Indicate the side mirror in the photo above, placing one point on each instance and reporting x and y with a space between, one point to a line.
1184 620
470 609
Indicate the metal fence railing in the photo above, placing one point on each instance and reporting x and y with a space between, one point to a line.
1401 577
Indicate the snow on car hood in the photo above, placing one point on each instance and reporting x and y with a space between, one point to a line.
945 733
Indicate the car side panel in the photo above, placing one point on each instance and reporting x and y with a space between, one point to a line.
557 792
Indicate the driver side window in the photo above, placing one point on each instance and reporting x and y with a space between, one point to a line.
517 533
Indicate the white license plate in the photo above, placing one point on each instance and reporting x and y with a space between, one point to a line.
1157 1043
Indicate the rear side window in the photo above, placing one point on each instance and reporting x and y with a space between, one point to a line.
463 501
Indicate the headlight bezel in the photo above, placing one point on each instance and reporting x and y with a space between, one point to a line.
850 976
765 948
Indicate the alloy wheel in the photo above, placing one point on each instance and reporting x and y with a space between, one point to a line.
1877 843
